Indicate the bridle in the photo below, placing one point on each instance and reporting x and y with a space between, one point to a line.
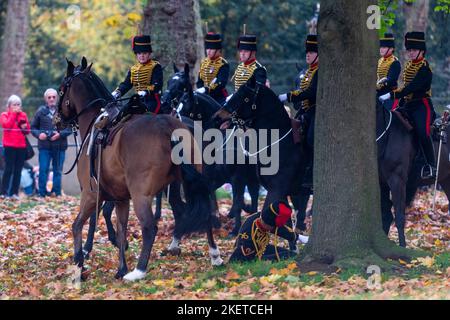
175 97
236 120
65 86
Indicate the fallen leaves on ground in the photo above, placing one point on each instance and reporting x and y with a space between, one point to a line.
36 261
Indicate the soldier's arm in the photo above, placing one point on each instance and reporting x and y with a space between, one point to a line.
393 74
260 75
126 85
307 94
421 82
156 82
221 79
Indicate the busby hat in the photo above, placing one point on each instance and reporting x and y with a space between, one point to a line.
387 41
415 40
311 43
247 42
142 44
277 214
213 41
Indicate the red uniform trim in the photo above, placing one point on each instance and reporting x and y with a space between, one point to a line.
395 104
158 103
249 62
428 124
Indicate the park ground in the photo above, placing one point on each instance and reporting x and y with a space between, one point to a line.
36 253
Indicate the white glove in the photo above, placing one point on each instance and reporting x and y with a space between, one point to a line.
142 93
283 97
201 90
381 81
229 97
385 97
116 94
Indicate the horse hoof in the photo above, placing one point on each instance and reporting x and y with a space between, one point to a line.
216 262
135 275
174 251
120 274
84 274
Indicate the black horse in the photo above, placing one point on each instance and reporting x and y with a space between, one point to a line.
399 162
256 106
180 97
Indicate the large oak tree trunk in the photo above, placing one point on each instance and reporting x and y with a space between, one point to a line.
347 221
177 36
12 58
416 15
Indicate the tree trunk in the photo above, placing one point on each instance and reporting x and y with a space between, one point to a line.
177 36
416 15
347 221
12 59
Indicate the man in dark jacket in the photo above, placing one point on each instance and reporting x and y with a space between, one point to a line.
52 144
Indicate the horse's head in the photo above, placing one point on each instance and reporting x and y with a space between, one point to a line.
177 85
80 91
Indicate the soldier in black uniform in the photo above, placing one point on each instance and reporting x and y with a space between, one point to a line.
389 67
254 236
214 69
249 64
146 76
304 99
415 96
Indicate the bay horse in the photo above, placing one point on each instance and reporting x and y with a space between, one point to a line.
399 169
258 107
135 166
201 107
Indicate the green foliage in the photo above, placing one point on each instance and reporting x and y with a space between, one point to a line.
103 36
443 6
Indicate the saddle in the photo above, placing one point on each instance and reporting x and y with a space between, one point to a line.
403 120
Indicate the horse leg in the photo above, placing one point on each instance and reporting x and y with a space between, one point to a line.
238 202
108 208
87 206
90 237
122 214
158 206
253 189
445 184
386 208
178 207
300 203
214 251
398 189
143 208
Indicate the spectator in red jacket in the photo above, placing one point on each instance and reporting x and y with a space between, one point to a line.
15 126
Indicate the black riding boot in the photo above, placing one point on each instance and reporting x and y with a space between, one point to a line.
429 170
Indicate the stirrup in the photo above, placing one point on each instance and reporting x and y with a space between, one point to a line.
428 172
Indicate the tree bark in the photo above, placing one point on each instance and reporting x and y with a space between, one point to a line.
175 27
416 15
12 59
347 221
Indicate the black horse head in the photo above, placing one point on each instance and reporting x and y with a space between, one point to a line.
198 106
253 101
80 90
177 85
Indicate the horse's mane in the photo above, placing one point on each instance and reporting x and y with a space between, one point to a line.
274 101
99 87
210 101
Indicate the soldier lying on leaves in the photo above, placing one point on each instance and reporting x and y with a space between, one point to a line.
254 236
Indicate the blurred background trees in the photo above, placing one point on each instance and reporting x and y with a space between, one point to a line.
101 30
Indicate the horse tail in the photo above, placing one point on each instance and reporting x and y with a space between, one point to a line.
197 216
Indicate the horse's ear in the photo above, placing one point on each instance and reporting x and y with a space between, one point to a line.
83 63
175 69
70 68
186 69
88 69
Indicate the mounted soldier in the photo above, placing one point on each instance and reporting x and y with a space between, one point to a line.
389 67
247 55
304 99
146 76
415 96
214 69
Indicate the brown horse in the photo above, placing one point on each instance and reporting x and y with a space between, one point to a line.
136 166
